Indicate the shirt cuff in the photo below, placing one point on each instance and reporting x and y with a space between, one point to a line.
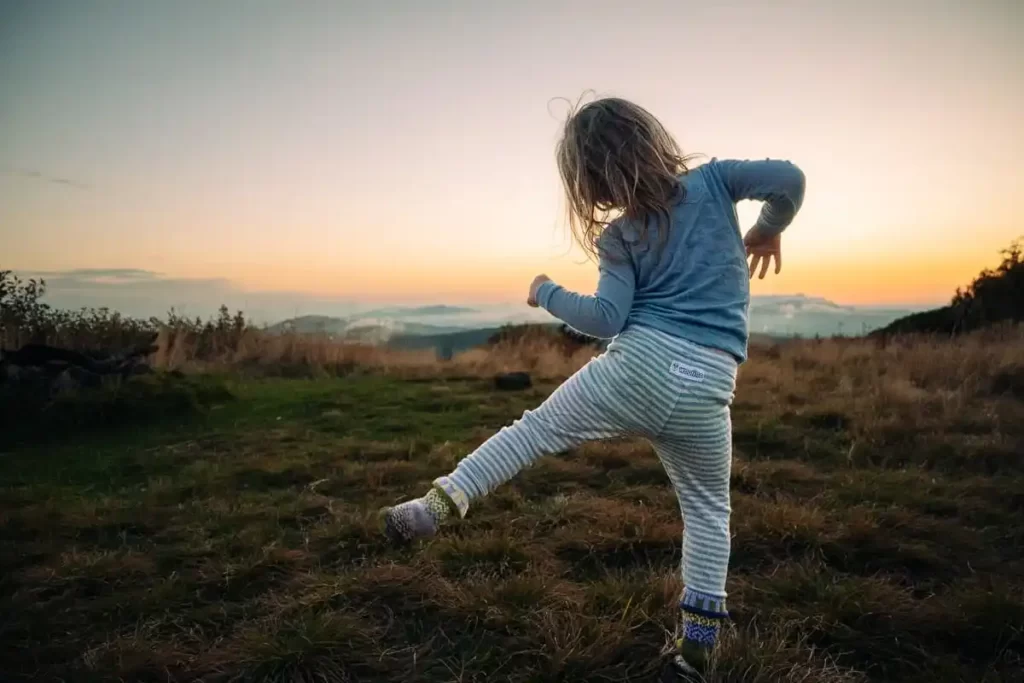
544 293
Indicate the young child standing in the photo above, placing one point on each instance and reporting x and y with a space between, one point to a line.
673 293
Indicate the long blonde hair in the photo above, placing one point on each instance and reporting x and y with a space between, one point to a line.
616 159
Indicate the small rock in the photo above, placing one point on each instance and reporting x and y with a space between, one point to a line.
513 381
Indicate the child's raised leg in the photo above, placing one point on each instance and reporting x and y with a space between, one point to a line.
590 405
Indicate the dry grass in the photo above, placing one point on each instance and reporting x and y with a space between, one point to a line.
317 355
878 496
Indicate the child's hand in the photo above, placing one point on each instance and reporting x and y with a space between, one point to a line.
534 286
761 249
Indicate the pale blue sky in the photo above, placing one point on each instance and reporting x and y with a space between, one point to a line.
403 151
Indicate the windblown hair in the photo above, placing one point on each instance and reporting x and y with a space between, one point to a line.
615 160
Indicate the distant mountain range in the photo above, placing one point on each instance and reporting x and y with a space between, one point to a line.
373 329
804 316
459 327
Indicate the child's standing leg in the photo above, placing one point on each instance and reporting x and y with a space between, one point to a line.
696 449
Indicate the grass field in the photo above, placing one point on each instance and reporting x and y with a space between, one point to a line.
878 524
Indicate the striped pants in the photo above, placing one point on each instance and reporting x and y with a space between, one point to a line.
653 385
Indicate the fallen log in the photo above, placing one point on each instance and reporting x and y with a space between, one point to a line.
43 371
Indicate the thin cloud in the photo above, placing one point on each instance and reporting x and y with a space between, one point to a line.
133 280
47 178
103 275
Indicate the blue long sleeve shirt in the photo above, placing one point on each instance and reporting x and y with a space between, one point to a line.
693 282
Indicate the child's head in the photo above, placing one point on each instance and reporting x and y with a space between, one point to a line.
615 158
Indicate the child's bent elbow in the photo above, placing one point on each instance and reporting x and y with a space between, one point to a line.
797 182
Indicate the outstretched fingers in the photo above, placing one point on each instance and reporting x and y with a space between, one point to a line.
759 263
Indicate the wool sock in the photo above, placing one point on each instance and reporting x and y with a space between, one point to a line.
701 618
422 517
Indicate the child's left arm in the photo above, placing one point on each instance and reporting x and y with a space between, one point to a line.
604 314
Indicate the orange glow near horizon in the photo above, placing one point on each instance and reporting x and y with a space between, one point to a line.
928 281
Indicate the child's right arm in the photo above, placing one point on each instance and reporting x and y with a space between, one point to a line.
779 184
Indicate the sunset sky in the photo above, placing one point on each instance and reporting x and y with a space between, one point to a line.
399 151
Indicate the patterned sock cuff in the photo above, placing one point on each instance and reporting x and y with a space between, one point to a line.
456 496
438 506
699 602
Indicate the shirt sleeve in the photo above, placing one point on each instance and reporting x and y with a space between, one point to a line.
779 184
604 314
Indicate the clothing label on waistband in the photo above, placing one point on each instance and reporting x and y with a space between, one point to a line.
686 371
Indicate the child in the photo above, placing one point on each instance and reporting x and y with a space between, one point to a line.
673 291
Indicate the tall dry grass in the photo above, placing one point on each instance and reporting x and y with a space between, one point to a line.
542 354
913 368
908 365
